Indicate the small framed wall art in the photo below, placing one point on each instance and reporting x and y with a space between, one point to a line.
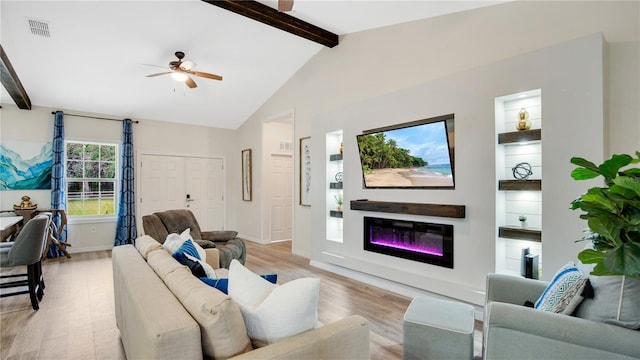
305 171
246 175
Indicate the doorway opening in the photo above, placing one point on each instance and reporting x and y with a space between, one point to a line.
277 160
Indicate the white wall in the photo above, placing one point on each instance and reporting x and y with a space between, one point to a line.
572 114
375 63
36 126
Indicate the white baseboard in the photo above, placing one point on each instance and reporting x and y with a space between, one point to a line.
75 250
252 238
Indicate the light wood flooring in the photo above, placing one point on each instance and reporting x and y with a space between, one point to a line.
76 319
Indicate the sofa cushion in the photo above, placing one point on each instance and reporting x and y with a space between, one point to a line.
271 312
563 294
221 325
616 301
146 244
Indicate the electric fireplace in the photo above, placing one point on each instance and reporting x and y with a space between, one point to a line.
426 242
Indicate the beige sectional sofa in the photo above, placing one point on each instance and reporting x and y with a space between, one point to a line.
164 312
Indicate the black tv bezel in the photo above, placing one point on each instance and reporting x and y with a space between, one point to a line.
449 124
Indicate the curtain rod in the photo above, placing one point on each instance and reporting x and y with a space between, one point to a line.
95 117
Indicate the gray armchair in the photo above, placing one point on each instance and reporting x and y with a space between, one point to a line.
160 224
26 250
513 331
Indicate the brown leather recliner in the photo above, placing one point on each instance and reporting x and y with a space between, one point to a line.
160 224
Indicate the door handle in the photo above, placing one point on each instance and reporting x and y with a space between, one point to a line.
189 199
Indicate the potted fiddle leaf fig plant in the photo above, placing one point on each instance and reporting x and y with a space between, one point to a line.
612 212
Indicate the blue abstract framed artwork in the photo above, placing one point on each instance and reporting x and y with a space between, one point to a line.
22 169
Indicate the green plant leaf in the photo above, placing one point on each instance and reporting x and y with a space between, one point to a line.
609 168
606 227
584 163
623 260
634 172
626 193
628 183
598 197
601 270
590 256
584 174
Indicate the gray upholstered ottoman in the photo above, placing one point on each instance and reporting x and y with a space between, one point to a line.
438 329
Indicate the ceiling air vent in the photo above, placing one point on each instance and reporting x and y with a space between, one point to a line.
39 28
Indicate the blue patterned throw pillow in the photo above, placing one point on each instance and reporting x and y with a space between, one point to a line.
186 247
564 292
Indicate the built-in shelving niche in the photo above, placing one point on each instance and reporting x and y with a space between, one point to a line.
518 197
333 185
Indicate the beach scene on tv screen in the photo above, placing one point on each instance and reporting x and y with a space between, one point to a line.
416 156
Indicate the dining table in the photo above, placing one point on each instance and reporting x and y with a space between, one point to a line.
9 225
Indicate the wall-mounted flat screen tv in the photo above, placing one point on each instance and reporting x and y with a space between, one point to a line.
413 155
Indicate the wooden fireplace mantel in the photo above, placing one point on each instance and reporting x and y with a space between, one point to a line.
440 210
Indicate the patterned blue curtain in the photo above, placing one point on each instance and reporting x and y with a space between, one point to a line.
58 188
126 228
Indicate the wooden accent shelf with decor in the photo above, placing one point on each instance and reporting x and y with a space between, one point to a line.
530 185
520 136
440 210
520 233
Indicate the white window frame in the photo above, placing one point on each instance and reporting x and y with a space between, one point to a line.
116 188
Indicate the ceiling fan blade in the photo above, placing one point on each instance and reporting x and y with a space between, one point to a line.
158 74
206 75
285 5
190 83
164 67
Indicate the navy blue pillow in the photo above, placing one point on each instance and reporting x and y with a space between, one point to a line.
223 284
196 268
186 247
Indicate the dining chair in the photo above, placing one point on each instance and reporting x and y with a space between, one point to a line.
26 251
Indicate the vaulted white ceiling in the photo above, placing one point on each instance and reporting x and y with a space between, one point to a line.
98 52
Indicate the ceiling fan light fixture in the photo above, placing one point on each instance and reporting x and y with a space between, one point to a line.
179 76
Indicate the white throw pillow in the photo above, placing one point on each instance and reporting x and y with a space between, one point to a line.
173 242
273 312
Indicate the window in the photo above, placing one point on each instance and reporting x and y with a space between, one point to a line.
91 178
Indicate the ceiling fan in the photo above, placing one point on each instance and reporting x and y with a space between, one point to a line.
180 70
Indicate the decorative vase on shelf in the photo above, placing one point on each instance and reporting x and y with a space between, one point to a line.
523 123
341 148
340 208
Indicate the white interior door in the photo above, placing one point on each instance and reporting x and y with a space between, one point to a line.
167 180
162 185
205 192
281 197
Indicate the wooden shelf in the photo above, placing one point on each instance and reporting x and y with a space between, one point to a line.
335 157
451 211
335 213
530 185
520 136
335 185
520 233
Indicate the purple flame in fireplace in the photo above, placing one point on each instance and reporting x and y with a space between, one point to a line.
423 242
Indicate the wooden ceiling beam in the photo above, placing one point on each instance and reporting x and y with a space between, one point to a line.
272 17
12 83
